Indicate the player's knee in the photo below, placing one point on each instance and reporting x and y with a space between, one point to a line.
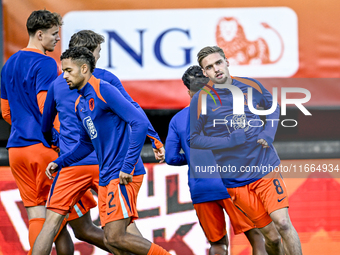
283 225
114 239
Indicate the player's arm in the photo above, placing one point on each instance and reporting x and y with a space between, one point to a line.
47 73
49 113
137 121
266 137
5 109
173 147
199 141
157 145
82 149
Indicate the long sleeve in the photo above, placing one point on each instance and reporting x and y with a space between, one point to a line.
151 133
266 101
173 148
49 113
138 123
199 141
82 149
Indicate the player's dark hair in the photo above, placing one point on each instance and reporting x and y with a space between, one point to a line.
86 38
80 55
194 79
207 51
42 20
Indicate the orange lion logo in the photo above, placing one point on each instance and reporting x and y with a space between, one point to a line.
231 38
91 104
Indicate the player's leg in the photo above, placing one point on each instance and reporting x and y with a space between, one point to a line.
272 239
86 231
28 166
246 200
43 243
290 238
257 241
117 208
36 218
119 241
73 180
272 190
211 218
63 243
242 224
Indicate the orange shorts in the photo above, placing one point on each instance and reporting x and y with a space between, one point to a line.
69 186
83 206
259 199
211 218
28 165
117 201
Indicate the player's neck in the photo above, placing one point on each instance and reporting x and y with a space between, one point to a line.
33 44
86 80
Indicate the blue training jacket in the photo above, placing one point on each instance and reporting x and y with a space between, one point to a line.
204 187
110 125
245 163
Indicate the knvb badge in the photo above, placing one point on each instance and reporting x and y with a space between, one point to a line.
89 126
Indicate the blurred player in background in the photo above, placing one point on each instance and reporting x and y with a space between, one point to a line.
208 193
260 194
25 79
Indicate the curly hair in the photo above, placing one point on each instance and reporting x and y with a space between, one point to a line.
42 20
194 79
80 55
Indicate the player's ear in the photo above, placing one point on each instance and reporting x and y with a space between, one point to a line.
226 60
84 68
204 73
39 34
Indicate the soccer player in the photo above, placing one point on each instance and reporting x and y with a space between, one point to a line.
116 130
208 193
84 174
25 79
260 194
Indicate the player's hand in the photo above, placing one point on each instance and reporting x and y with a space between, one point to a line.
51 169
159 154
124 178
263 143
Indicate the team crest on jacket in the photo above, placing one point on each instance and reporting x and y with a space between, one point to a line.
90 128
237 121
91 104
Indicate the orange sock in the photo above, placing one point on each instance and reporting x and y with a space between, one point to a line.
34 227
157 250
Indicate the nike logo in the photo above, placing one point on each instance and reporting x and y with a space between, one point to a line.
279 200
215 109
111 212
